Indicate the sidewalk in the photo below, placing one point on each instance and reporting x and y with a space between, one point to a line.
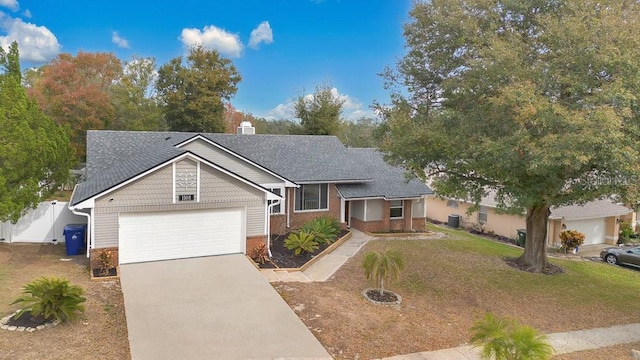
325 267
563 343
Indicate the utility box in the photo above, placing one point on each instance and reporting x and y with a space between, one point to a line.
454 221
75 238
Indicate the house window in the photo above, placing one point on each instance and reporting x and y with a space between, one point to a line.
396 209
312 197
482 214
452 203
277 209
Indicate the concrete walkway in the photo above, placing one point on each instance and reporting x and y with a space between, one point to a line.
563 343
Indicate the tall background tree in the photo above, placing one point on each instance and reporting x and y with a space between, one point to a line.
320 112
35 155
75 91
134 97
533 102
194 93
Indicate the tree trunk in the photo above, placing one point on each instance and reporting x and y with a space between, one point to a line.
535 249
381 286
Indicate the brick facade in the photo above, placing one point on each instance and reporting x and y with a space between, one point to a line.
387 224
94 255
253 242
296 219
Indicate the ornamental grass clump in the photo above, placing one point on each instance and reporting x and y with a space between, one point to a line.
52 298
502 338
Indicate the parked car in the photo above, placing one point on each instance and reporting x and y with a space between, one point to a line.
621 255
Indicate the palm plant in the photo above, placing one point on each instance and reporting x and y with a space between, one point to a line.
505 339
326 228
381 266
301 241
52 298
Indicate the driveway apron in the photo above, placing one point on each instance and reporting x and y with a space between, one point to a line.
217 307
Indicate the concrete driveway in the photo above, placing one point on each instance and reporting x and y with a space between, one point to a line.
217 307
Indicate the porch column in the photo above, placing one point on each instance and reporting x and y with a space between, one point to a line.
342 210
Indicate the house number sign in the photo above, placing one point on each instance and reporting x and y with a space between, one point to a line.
189 197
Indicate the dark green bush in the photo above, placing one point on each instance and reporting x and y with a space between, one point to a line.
326 228
52 298
301 241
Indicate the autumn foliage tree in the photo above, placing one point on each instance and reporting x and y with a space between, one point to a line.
35 155
194 92
75 91
533 102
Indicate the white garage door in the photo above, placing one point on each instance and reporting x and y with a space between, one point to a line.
168 235
593 229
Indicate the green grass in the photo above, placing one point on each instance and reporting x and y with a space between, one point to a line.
461 262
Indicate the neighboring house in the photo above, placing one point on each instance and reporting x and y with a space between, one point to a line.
598 220
166 195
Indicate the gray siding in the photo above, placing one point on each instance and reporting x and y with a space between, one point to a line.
106 230
374 209
417 208
255 220
357 209
153 193
230 162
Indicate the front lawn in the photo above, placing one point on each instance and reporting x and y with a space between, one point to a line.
101 333
447 284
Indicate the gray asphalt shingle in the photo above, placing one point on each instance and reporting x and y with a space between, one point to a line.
116 156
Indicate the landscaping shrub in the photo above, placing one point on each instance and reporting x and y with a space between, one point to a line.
259 254
626 232
505 339
381 266
570 239
326 228
301 241
52 298
105 261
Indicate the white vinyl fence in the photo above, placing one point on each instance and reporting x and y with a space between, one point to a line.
41 225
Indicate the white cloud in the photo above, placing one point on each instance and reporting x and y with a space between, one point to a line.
261 34
352 109
27 14
212 37
120 41
10 4
35 43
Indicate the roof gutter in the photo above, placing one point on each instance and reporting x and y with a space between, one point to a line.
88 216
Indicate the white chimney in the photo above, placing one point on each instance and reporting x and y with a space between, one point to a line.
246 128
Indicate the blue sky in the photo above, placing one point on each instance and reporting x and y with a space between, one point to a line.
281 48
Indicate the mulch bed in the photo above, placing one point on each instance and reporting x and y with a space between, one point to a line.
284 258
386 297
109 272
549 270
27 320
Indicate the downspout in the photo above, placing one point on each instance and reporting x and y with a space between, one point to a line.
73 210
287 208
269 207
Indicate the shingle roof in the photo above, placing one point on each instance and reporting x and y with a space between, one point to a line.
590 210
388 181
116 156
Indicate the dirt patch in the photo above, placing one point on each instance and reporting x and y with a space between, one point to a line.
100 333
443 293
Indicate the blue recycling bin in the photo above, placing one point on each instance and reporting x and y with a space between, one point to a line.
74 238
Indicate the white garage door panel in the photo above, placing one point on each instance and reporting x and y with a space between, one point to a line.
179 234
593 229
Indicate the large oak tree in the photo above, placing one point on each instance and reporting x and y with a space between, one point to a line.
194 91
35 154
535 102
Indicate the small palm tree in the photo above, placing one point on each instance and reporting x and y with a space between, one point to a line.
382 266
52 298
505 339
